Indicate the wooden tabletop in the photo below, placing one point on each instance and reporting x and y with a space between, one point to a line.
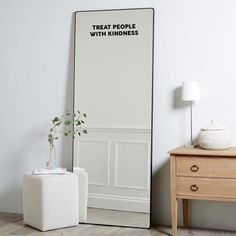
230 152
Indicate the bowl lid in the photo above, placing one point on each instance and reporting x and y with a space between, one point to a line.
214 126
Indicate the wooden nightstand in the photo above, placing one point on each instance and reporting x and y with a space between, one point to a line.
203 175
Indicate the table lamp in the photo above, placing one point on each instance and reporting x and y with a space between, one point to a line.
190 93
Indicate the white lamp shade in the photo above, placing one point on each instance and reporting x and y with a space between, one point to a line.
190 91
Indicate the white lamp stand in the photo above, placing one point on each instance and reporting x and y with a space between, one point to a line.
190 93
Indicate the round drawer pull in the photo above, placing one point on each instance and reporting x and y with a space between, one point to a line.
194 188
194 168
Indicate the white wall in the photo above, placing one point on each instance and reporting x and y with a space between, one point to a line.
193 39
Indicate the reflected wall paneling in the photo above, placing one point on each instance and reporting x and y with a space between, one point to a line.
113 85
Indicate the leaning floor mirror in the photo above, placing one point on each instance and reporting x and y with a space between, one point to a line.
113 86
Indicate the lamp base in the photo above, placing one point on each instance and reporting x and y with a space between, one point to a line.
191 145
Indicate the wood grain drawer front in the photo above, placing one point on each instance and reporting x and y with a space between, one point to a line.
206 187
206 167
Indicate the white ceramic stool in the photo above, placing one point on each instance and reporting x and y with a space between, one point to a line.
50 201
83 193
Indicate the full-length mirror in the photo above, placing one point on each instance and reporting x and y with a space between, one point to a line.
113 85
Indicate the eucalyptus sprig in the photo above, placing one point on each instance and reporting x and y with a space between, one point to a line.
72 123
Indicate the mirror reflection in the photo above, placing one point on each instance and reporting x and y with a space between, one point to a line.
113 85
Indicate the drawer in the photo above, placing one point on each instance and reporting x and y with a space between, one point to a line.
220 167
206 187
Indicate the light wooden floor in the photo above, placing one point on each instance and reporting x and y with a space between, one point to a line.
112 217
12 224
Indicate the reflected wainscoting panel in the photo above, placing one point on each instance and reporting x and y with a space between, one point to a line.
118 164
132 155
95 155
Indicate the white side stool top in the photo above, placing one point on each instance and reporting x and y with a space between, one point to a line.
50 201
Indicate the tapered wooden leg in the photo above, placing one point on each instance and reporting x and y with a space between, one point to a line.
174 205
174 213
185 213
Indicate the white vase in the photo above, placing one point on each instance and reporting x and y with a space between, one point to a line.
214 137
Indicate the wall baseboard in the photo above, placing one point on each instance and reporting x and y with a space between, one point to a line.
119 203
